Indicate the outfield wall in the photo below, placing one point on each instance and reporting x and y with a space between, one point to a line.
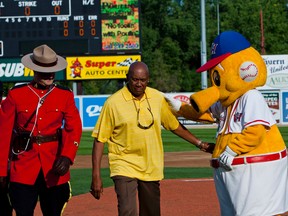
90 107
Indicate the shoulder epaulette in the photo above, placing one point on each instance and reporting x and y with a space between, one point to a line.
19 86
62 87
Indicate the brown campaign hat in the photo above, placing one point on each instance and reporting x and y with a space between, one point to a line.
44 59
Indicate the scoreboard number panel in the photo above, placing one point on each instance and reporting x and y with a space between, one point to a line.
78 27
23 9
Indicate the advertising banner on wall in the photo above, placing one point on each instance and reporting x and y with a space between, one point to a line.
272 99
183 97
285 107
99 67
277 71
91 106
12 70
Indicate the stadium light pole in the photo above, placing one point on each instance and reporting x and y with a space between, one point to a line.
218 17
203 45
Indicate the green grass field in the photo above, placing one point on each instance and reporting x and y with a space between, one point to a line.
81 178
171 142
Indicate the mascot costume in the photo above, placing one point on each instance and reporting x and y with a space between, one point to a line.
249 158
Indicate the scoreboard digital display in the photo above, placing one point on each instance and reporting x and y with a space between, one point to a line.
78 27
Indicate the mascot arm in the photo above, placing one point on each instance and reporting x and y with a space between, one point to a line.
248 139
188 112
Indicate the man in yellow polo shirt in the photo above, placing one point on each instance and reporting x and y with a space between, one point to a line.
130 123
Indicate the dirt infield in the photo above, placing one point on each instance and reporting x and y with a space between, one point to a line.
171 159
180 197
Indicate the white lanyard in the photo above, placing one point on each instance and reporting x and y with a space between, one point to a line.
40 103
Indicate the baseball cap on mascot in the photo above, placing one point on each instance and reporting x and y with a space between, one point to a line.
235 67
224 45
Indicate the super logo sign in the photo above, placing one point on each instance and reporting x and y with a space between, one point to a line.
99 67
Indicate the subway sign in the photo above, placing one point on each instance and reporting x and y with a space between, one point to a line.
12 70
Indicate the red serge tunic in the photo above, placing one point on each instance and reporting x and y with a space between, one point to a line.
57 110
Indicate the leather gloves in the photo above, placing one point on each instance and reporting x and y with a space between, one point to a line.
226 158
61 165
3 184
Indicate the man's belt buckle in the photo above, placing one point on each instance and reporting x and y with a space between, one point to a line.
38 139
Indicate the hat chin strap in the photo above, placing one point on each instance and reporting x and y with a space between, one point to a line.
41 85
39 80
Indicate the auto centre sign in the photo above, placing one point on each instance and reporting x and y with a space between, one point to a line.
99 67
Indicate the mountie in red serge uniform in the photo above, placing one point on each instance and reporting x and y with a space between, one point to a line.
45 123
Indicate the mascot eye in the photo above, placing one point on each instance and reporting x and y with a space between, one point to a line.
216 78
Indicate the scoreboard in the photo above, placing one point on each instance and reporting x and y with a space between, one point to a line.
78 27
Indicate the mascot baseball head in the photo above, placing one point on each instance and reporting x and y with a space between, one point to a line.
234 68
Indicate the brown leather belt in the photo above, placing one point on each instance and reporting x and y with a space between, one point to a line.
43 139
252 159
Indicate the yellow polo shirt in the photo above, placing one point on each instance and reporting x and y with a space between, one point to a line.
132 151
